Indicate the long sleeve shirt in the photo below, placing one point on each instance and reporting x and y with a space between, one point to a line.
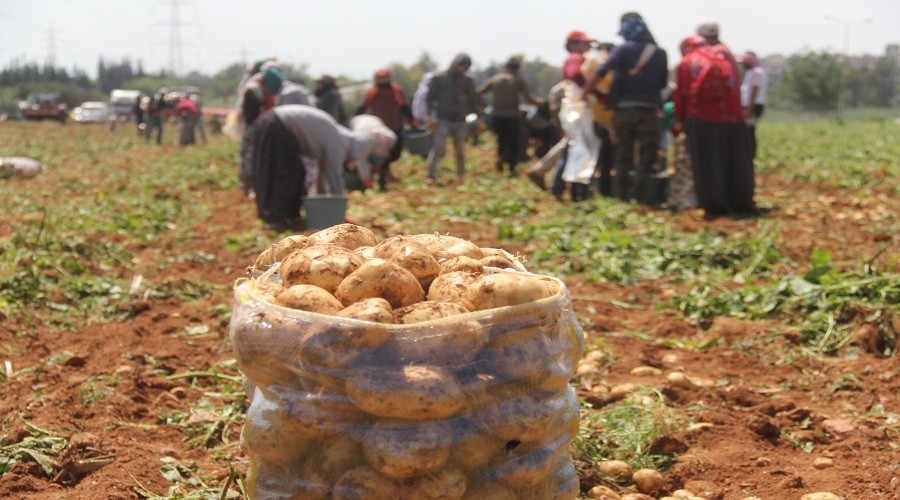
320 137
508 89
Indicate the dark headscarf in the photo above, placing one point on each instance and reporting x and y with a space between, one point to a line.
461 58
633 28
272 80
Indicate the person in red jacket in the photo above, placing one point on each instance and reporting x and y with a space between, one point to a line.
386 100
708 109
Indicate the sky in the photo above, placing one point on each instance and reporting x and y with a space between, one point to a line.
355 37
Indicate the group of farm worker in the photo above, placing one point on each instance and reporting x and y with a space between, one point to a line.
610 119
633 111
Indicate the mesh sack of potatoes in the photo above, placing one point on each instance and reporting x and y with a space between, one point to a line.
418 366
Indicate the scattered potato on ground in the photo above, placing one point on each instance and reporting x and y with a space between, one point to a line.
349 236
309 298
322 265
380 278
615 469
648 481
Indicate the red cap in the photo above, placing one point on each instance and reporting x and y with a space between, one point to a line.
578 36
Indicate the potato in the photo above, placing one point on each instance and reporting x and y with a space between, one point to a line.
446 247
266 290
427 311
328 459
524 418
366 252
462 263
264 439
402 449
322 265
474 449
527 465
498 261
412 392
376 310
253 337
618 470
310 415
490 252
536 361
281 480
349 236
507 289
337 346
365 483
380 278
410 255
648 481
278 251
560 484
452 344
451 287
309 298
449 483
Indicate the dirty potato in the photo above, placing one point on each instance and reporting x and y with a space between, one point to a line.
349 236
309 298
451 287
507 289
443 246
412 392
455 344
402 449
410 255
380 278
365 483
462 263
322 265
278 251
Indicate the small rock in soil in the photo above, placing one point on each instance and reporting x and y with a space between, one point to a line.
823 463
679 379
869 338
821 496
763 426
792 482
705 489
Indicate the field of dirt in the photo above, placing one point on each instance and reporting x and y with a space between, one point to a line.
751 436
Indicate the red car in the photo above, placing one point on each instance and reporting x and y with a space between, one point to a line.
44 106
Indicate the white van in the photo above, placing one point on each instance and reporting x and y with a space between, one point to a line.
121 103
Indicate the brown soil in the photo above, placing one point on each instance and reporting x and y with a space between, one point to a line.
750 431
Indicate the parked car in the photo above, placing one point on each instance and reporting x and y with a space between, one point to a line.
91 112
121 102
44 106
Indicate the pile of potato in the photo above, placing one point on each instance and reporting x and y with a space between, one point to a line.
420 366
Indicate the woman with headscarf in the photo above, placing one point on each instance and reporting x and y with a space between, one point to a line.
280 137
640 74
329 100
708 109
386 100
